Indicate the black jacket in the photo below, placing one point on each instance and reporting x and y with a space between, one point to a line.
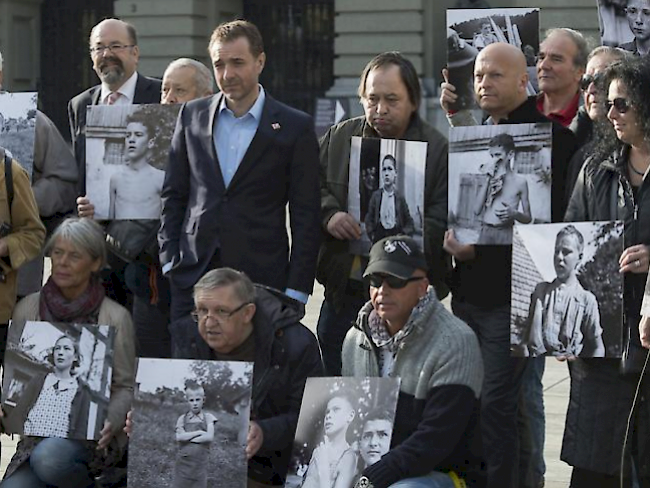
493 264
601 398
286 354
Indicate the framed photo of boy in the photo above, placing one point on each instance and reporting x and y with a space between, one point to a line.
499 175
126 156
57 378
190 422
567 292
345 424
18 126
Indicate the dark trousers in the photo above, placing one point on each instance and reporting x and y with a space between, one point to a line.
114 282
151 320
501 385
332 325
532 425
582 478
4 328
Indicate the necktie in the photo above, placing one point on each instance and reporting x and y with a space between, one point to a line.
112 98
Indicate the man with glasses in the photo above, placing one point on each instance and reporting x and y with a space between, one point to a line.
404 331
638 17
239 321
115 54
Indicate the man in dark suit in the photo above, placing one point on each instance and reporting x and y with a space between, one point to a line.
236 160
115 53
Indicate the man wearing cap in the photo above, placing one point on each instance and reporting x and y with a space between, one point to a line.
404 331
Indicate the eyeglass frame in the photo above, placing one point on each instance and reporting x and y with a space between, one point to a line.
112 48
622 105
385 278
221 314
587 80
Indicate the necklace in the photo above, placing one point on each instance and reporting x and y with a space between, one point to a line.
640 173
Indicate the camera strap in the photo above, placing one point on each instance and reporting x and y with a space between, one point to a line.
9 182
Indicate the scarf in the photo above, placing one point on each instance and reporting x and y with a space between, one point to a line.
54 307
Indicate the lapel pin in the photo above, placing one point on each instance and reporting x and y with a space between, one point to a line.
275 126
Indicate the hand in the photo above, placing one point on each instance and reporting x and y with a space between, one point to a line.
635 259
447 92
344 227
85 208
254 440
644 331
505 213
461 252
4 248
105 436
128 425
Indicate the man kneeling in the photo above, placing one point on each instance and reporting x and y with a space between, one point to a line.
239 321
405 331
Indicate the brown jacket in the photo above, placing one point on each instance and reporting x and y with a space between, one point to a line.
27 236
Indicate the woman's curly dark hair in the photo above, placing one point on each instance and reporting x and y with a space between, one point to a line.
634 73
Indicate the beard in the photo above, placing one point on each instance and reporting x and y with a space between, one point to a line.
111 74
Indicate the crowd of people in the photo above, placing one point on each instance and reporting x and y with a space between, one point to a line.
222 280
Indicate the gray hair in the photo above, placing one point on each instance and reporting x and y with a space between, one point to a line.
84 234
582 48
218 278
614 52
202 75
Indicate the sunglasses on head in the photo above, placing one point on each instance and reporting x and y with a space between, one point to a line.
587 80
376 280
620 104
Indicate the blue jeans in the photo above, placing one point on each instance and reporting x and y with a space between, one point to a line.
532 425
435 479
54 462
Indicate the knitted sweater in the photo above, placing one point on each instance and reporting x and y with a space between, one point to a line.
437 420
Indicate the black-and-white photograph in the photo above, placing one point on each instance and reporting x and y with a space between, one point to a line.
471 30
390 177
625 24
567 292
190 422
499 176
126 156
345 425
57 378
18 126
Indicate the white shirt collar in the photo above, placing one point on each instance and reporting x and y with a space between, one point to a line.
127 90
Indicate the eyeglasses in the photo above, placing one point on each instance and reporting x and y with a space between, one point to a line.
200 314
376 280
113 48
587 80
620 104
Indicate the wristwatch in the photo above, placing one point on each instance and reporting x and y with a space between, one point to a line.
364 482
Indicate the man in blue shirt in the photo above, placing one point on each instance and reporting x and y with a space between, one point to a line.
237 159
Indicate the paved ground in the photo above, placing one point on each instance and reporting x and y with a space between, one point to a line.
556 392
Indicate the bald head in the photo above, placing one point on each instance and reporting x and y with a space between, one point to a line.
500 79
114 51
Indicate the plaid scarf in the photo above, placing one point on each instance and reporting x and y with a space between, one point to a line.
54 307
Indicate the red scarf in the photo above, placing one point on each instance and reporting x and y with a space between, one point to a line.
54 307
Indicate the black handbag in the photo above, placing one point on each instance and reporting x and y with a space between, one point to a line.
128 239
633 358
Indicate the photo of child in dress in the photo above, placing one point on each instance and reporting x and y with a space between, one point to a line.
333 462
194 434
345 424
55 379
190 424
564 298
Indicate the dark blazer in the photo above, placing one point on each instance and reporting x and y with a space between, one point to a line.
246 222
147 90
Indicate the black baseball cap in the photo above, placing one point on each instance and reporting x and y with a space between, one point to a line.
397 256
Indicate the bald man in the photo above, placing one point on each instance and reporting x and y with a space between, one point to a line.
500 79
